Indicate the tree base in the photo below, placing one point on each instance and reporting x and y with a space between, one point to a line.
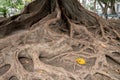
43 43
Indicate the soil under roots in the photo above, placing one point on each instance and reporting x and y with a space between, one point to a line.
44 41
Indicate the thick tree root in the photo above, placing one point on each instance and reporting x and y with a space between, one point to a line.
43 42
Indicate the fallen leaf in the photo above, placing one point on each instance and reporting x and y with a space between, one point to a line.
81 61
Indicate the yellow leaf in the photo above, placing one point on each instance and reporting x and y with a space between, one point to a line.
80 61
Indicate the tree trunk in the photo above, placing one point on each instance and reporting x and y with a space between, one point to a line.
113 10
105 9
95 5
45 40
112 7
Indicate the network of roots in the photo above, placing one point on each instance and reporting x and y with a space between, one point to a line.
44 41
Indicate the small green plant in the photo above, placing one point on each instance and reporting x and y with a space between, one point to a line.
12 7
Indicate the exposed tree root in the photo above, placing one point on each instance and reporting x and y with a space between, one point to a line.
43 42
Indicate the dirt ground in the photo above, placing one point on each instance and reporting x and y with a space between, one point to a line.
48 47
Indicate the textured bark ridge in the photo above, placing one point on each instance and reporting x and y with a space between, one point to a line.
43 42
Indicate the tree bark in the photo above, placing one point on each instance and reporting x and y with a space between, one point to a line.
45 40
95 5
112 7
